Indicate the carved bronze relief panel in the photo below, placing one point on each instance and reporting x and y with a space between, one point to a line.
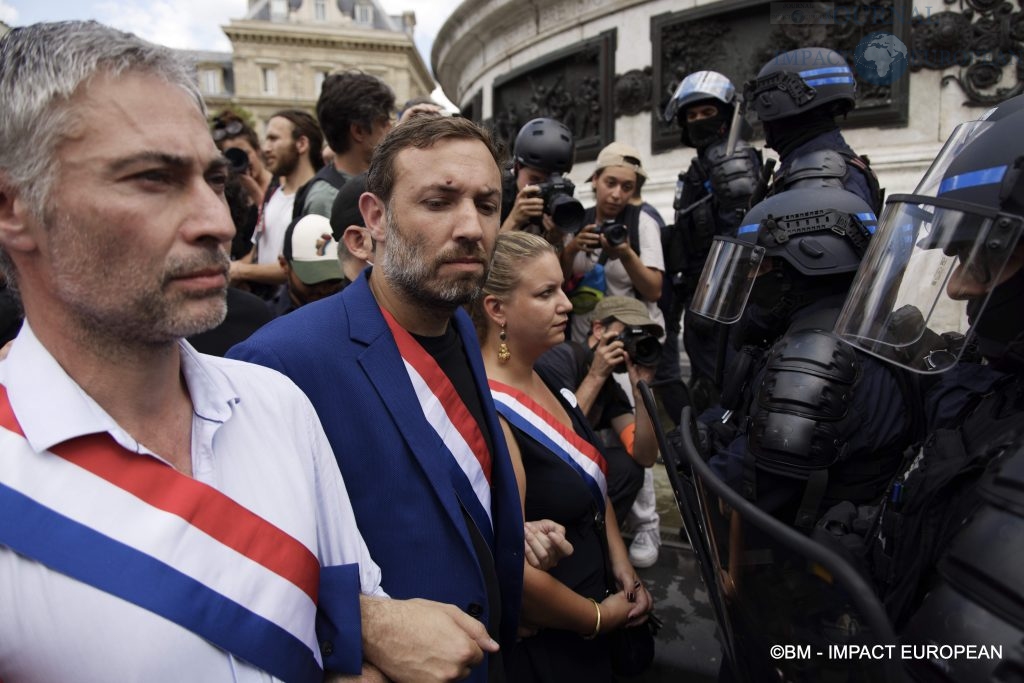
737 37
981 39
573 85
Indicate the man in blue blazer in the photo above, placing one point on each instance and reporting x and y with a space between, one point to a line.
392 366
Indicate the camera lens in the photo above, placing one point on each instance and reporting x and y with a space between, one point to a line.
615 233
567 213
237 160
647 351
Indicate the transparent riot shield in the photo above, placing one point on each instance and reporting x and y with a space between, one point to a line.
793 609
685 493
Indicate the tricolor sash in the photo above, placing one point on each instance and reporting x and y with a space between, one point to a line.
448 415
527 415
138 529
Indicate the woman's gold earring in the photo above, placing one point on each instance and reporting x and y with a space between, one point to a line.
503 353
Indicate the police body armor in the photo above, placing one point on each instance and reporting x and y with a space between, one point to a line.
937 493
977 596
827 168
800 422
711 198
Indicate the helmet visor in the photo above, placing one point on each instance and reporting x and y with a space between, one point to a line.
702 85
929 258
961 136
727 278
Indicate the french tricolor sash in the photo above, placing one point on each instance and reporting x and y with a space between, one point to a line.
447 413
527 415
138 529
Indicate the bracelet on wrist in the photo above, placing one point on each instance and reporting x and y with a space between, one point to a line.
597 627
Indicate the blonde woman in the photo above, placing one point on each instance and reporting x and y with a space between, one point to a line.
521 314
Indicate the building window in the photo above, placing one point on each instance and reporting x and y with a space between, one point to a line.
364 14
211 81
320 10
269 80
318 81
278 10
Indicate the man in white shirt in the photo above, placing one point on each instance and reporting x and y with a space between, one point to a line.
291 147
164 515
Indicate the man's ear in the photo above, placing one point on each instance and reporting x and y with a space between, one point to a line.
302 146
357 133
283 262
15 220
357 240
374 213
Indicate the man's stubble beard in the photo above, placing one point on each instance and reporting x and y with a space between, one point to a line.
411 274
141 312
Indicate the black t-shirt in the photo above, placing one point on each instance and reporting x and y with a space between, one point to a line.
448 352
566 365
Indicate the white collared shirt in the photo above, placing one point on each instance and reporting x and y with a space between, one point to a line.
255 438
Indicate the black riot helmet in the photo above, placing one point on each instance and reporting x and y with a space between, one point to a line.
802 241
545 144
797 81
699 87
946 269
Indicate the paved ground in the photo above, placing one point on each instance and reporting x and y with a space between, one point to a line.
687 649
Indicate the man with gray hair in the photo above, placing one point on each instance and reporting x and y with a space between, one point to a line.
163 514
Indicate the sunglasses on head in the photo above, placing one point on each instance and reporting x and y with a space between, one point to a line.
223 130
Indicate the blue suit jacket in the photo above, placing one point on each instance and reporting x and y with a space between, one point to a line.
396 469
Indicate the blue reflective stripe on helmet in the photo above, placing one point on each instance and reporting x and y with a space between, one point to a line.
985 176
829 81
827 70
744 229
869 220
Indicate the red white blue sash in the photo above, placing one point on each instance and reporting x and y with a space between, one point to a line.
530 417
447 413
135 528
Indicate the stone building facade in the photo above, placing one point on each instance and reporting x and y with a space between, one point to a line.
283 49
608 67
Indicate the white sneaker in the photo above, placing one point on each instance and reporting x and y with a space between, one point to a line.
643 551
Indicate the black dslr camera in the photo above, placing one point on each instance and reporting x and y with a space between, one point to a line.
616 233
238 160
642 347
565 211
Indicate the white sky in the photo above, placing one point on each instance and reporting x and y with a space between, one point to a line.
195 24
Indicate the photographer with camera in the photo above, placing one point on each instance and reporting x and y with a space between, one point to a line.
622 345
231 132
618 237
536 196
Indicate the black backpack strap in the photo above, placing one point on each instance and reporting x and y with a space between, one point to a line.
863 164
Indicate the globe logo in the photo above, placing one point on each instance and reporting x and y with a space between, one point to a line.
797 16
881 58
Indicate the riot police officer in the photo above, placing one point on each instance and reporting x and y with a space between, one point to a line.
808 420
535 194
711 197
945 548
797 97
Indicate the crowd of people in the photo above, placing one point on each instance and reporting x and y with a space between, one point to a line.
364 400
